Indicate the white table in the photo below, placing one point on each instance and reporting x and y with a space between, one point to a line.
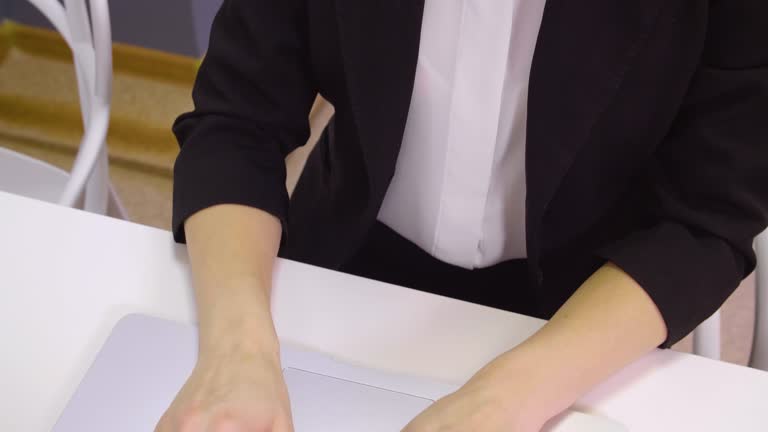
67 276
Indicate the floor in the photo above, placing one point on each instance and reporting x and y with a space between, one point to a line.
36 93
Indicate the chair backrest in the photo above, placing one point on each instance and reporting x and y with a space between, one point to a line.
30 177
759 358
90 40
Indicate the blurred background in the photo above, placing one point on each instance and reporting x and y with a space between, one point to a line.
157 48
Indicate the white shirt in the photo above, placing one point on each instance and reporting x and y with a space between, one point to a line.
459 186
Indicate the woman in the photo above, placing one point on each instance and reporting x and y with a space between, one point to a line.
598 163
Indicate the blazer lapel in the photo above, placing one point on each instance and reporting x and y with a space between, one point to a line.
583 51
380 45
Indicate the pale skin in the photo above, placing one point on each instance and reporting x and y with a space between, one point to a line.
237 385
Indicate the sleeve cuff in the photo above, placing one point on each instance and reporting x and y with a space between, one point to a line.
687 274
230 172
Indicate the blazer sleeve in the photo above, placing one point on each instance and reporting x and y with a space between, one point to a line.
709 177
252 98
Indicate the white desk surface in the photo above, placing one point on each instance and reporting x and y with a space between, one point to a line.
66 277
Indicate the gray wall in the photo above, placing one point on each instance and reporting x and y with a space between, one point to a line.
177 26
203 13
23 11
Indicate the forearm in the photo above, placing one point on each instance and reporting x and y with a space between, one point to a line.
609 322
232 250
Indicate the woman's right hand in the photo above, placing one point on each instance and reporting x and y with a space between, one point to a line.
237 384
233 392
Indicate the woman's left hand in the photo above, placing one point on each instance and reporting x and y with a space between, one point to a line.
490 402
609 322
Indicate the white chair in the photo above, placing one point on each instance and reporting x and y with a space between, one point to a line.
706 337
87 185
759 359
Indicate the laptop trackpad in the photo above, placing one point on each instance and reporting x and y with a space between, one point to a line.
320 403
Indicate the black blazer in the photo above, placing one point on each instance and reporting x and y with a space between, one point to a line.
647 135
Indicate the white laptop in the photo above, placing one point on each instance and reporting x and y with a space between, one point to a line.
146 360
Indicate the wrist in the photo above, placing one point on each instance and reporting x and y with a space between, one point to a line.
522 380
247 337
219 358
239 323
